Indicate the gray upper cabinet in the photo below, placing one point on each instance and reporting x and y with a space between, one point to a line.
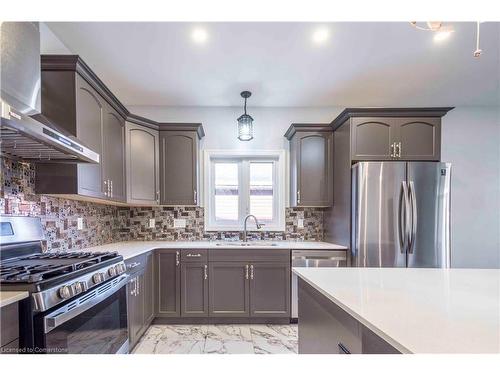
142 164
311 165
420 138
179 170
167 283
113 155
393 133
77 101
373 138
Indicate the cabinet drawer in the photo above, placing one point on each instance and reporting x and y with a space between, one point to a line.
9 316
249 255
136 263
194 255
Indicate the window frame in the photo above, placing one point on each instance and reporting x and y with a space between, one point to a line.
244 157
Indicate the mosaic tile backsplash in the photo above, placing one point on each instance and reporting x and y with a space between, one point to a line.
105 223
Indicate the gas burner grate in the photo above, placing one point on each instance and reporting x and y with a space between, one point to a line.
39 267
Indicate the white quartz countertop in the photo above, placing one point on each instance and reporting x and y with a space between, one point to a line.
8 297
130 249
418 310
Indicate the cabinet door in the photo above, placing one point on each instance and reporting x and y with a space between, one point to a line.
229 289
372 138
420 138
89 120
314 165
168 283
134 310
194 289
149 290
179 167
114 154
142 159
270 290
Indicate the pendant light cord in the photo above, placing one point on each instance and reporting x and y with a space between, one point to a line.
245 106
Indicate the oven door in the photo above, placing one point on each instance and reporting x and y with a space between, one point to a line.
95 323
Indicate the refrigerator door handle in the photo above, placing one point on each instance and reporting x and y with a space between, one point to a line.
403 229
413 233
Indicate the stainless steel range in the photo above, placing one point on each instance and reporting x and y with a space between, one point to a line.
77 300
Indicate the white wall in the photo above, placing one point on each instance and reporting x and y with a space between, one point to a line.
471 142
270 124
50 44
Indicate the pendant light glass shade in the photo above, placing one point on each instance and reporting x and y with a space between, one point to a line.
245 122
245 127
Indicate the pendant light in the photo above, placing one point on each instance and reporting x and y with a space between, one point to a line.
245 127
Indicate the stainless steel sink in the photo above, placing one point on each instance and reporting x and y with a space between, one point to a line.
246 244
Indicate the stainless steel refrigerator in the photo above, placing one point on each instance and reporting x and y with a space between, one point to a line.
401 214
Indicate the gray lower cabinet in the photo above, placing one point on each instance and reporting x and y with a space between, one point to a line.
229 289
324 328
142 162
311 165
149 289
269 289
140 290
167 283
9 333
179 171
194 289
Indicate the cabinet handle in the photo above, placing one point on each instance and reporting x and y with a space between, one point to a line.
251 272
105 188
133 265
111 188
399 150
177 262
195 196
205 269
158 196
343 349
298 196
393 152
246 271
194 255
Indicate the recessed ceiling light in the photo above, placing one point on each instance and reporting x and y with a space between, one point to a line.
199 35
442 35
320 35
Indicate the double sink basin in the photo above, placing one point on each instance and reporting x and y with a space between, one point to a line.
246 244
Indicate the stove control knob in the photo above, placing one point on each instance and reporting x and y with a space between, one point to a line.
120 268
64 292
77 287
98 278
112 272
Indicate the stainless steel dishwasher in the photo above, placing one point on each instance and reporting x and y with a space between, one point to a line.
313 258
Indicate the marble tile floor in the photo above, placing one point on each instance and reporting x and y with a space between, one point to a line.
219 339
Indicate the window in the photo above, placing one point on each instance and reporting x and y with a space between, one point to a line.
241 184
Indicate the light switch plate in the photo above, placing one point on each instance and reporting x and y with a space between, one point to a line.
300 223
79 223
151 223
179 223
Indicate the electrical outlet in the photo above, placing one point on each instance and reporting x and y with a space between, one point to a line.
179 223
79 223
151 223
300 223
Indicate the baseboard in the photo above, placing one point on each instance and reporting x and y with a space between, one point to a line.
221 320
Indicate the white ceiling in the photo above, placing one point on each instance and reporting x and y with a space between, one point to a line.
361 64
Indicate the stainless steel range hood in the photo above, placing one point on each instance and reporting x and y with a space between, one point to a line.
24 133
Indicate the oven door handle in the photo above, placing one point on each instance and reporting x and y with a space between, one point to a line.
83 303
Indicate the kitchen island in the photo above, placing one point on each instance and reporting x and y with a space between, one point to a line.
405 310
